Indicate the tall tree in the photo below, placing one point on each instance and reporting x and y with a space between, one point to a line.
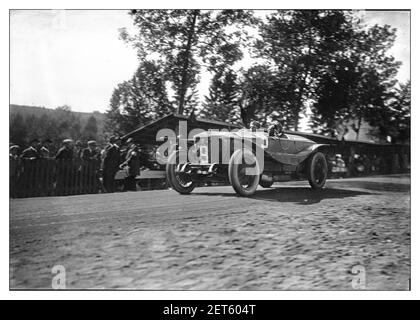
358 82
139 100
90 130
263 96
184 40
393 120
298 43
17 130
69 124
222 100
256 96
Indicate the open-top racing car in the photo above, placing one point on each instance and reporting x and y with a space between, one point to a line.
247 159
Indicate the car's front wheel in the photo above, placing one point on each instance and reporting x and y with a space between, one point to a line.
179 181
244 172
317 170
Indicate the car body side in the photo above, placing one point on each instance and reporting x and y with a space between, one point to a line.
282 155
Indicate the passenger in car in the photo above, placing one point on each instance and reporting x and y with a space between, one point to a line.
275 130
254 125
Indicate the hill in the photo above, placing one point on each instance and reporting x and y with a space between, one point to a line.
27 122
39 111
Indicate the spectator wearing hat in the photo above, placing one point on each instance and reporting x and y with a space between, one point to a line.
131 165
45 149
78 149
13 167
90 163
46 183
66 151
66 171
13 152
91 152
111 162
33 152
28 178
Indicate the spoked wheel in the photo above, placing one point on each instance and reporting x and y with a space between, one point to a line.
317 170
179 181
244 172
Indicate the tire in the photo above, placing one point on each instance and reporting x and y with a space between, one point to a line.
237 174
266 184
317 170
175 181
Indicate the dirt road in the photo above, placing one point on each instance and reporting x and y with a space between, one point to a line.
355 234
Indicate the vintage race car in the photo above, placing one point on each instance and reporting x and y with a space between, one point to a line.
247 159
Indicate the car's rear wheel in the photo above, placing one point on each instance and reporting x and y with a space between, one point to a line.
244 172
179 181
317 170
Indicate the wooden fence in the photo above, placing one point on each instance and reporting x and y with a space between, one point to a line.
50 177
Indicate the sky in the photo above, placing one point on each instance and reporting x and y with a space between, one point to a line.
76 58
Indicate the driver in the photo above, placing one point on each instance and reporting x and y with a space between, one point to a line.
276 130
254 125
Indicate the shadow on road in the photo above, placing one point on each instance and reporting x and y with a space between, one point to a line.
372 185
299 195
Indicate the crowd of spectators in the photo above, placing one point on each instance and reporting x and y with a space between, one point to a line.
84 167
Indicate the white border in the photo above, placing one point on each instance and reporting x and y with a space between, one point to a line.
87 4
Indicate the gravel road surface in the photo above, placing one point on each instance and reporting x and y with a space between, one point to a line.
354 234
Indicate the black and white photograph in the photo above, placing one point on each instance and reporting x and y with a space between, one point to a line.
210 149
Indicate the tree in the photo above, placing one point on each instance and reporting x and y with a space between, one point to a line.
116 122
90 131
356 86
222 100
376 74
393 120
183 40
299 44
68 124
141 99
50 131
55 125
262 96
17 130
255 94
331 110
